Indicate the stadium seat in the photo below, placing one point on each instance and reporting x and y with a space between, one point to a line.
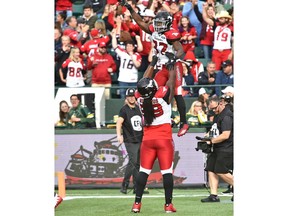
77 7
204 61
198 51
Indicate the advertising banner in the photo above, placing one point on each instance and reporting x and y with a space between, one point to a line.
98 159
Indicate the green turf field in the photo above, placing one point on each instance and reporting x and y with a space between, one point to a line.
110 202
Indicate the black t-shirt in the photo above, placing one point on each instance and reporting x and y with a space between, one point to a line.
225 123
132 125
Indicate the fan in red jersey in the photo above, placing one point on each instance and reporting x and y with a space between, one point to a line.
166 48
76 37
223 36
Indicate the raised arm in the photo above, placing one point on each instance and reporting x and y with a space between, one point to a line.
205 15
180 54
144 26
150 68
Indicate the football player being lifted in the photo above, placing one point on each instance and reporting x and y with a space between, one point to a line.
168 49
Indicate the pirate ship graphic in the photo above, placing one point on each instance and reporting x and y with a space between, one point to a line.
106 165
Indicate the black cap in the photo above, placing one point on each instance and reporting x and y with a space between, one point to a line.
130 92
81 20
227 63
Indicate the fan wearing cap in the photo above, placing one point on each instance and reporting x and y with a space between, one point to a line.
224 77
75 36
91 46
228 96
84 28
203 97
130 132
195 66
223 36
103 66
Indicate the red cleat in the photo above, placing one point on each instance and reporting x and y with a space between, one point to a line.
169 208
183 130
136 207
58 200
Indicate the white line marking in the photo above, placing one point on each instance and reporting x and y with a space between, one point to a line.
133 196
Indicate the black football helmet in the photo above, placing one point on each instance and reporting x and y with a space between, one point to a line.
162 21
147 87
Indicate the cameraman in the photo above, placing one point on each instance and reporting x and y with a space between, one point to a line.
220 160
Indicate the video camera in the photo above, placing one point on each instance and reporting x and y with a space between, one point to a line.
203 146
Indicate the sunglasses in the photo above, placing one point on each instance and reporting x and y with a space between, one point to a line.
214 108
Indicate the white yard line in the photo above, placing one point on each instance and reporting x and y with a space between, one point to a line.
132 196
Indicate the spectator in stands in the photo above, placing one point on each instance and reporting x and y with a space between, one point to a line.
224 77
101 27
203 97
79 116
148 16
207 31
188 79
63 112
218 7
75 36
61 19
130 61
208 77
81 27
97 7
175 114
102 65
91 46
173 8
61 55
157 5
188 34
188 10
229 90
89 16
57 39
107 10
212 104
64 5
196 66
195 115
76 70
223 36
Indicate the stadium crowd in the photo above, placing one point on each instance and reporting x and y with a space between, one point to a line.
206 35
